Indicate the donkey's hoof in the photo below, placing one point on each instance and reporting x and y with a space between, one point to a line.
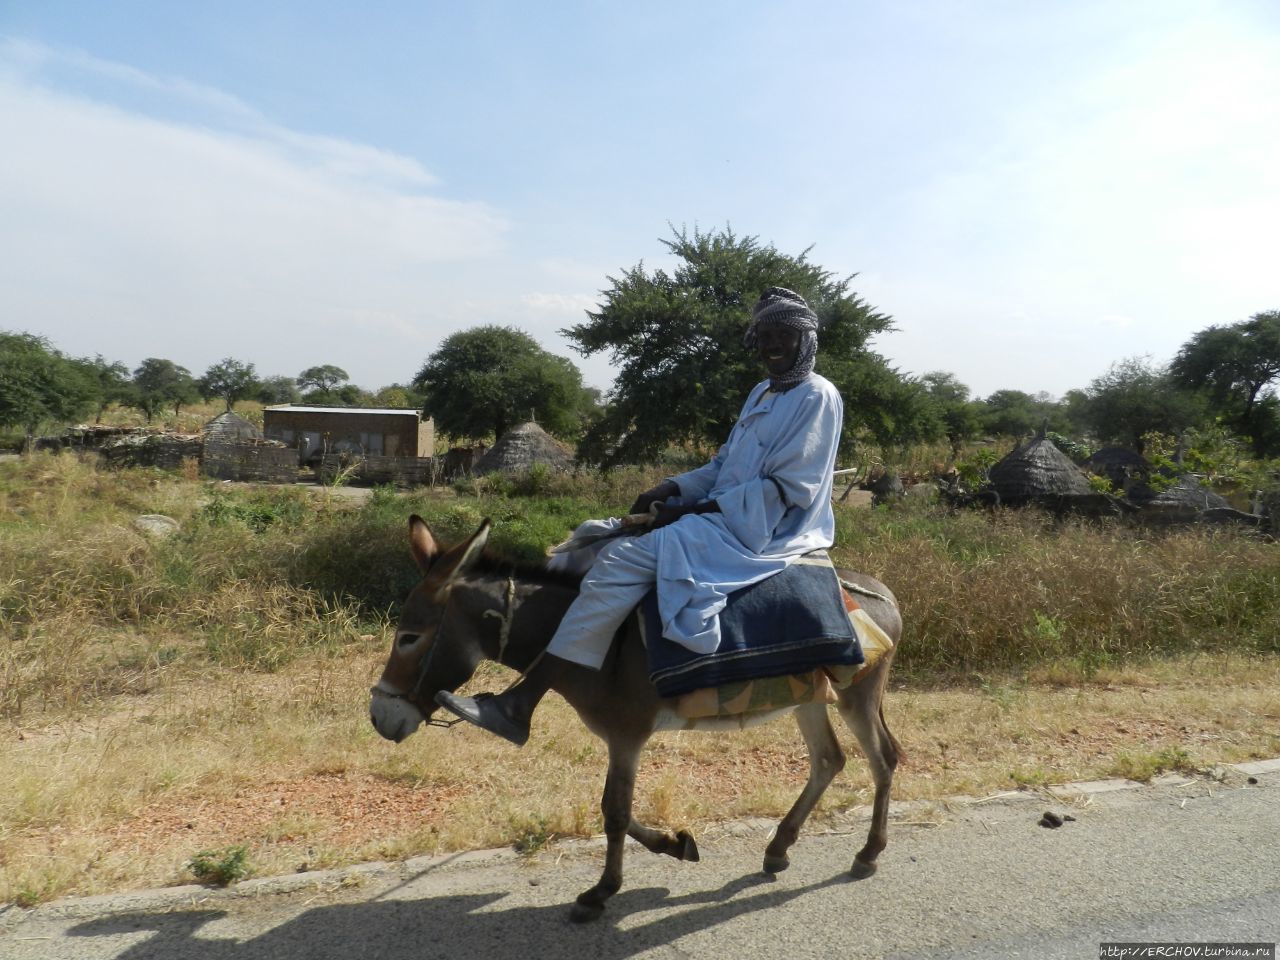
861 869
776 864
585 912
688 847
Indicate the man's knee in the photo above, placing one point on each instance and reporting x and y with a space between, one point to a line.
628 552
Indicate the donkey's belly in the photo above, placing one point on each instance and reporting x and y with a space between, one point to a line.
668 719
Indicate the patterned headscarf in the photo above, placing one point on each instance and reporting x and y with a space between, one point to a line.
781 307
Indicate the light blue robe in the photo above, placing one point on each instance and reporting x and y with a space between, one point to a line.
772 480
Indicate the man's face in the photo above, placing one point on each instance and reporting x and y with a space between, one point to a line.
778 347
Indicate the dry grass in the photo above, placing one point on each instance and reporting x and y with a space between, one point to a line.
1015 589
161 698
288 765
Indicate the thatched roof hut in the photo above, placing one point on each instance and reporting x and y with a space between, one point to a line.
231 428
1126 469
1117 461
1035 471
1116 457
1189 501
1188 493
520 448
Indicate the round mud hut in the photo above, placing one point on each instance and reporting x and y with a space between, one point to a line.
1037 471
523 447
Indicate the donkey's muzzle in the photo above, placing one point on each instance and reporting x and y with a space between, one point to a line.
393 717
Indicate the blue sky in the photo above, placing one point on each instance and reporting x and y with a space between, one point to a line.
1031 190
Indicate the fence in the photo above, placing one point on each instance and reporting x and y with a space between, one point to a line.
397 471
250 461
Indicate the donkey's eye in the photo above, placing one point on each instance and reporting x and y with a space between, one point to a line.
407 639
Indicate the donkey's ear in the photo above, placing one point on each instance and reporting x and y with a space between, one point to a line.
459 559
422 544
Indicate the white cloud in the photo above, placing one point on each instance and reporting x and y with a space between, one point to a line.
23 60
1131 207
133 235
569 304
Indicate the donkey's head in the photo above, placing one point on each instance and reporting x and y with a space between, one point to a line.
434 648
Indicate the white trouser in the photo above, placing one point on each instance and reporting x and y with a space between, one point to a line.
622 574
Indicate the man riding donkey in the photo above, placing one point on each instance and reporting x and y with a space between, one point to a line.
760 504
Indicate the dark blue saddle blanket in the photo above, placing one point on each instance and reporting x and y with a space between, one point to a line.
793 622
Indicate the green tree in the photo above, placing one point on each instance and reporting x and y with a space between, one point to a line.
229 380
1134 398
1013 413
676 340
397 395
38 385
892 410
273 390
1075 412
961 417
113 383
326 377
158 383
485 380
347 395
1235 365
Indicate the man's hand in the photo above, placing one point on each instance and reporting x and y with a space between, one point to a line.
667 488
668 514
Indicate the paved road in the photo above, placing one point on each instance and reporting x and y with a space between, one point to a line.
1190 862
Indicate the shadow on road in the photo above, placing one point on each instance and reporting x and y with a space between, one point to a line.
455 927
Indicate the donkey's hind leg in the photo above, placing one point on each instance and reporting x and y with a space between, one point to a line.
860 706
826 759
680 845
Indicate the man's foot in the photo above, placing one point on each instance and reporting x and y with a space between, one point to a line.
488 713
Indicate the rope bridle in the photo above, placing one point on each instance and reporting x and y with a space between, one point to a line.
504 628
505 616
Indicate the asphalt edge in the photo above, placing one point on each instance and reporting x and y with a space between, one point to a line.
356 875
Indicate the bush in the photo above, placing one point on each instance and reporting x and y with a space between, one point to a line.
220 867
1007 590
257 578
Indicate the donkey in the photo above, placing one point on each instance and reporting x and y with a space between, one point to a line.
471 606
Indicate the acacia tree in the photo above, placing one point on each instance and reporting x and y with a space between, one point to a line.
230 380
676 339
485 380
325 378
158 383
39 385
1235 366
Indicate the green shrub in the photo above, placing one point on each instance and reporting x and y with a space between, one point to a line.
256 509
220 867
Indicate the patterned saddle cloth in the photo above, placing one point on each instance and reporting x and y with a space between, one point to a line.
789 624
740 704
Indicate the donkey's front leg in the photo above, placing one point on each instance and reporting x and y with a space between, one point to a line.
615 804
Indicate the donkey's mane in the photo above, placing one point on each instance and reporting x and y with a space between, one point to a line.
495 564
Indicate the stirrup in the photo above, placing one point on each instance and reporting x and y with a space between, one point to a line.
479 711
